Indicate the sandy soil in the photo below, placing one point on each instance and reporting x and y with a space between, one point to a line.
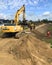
27 50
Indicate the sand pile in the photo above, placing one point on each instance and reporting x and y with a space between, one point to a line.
26 51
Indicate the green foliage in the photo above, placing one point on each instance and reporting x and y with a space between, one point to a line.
50 28
51 46
49 40
45 21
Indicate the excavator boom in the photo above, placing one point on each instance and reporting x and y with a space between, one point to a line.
22 9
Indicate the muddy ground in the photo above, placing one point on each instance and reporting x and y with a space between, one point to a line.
27 50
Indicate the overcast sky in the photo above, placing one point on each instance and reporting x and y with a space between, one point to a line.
35 9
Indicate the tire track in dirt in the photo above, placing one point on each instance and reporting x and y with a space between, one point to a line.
41 51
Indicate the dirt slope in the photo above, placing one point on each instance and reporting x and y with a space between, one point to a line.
42 28
28 50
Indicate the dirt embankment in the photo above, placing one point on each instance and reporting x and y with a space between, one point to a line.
42 28
27 50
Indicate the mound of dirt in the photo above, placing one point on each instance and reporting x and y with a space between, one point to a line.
26 51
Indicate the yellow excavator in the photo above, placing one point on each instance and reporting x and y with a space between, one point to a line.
14 27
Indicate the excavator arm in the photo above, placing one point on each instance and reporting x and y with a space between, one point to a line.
22 9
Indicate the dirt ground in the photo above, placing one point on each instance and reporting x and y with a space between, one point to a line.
27 50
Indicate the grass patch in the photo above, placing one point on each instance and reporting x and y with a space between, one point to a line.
49 40
50 28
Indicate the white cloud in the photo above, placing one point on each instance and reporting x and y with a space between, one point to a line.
2 16
2 5
17 3
36 1
46 13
